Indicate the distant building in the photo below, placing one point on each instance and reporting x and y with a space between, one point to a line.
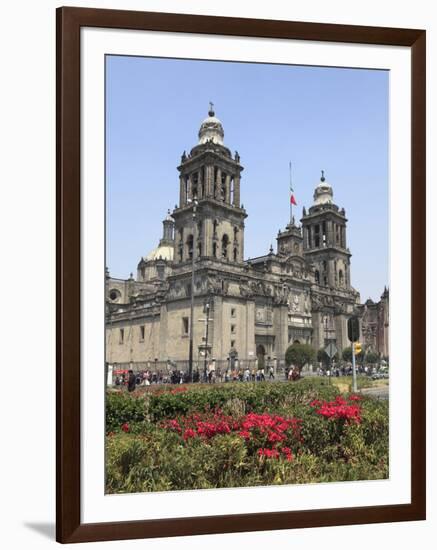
301 292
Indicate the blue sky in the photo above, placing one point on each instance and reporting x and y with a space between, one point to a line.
317 118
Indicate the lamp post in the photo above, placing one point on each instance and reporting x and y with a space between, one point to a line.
190 357
207 320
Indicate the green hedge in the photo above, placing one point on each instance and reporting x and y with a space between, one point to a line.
240 398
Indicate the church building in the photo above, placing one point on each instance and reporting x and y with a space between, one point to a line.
242 309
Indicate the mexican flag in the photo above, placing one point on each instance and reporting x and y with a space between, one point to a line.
292 198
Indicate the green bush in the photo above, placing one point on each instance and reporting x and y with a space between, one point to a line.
123 408
252 397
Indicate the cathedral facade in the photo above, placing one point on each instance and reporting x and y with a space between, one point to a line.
242 309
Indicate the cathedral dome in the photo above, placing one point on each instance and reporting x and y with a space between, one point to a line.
211 129
323 193
163 252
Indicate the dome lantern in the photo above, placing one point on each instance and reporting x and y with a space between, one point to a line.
211 128
323 193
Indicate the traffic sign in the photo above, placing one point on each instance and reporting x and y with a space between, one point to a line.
331 350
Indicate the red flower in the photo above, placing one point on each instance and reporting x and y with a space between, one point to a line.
355 397
268 453
189 434
125 427
288 454
340 409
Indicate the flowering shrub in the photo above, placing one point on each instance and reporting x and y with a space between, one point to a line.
264 434
242 435
339 408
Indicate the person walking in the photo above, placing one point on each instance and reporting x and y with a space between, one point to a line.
131 381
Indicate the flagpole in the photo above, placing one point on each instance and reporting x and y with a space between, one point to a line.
291 204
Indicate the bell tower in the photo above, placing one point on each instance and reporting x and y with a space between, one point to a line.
324 239
209 213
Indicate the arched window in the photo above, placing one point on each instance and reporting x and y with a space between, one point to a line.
214 227
317 276
235 254
341 277
199 249
235 234
214 250
225 244
190 246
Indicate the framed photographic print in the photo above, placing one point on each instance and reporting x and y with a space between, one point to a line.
241 274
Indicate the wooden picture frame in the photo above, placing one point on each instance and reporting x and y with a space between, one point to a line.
68 521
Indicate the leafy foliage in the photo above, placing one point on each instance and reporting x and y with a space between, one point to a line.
243 435
347 354
299 355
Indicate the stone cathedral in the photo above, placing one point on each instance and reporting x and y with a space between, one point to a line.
300 292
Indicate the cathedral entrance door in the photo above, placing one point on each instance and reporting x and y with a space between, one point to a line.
260 354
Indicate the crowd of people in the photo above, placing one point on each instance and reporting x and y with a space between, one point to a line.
212 375
131 379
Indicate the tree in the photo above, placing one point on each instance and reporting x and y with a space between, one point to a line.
323 357
299 355
372 358
347 354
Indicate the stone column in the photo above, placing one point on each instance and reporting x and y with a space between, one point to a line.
217 326
330 233
331 273
228 189
189 189
249 345
182 197
200 189
237 190
341 333
318 332
218 184
280 330
163 334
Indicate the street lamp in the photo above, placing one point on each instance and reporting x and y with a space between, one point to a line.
193 249
207 319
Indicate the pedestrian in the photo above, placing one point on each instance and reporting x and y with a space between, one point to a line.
271 373
131 381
